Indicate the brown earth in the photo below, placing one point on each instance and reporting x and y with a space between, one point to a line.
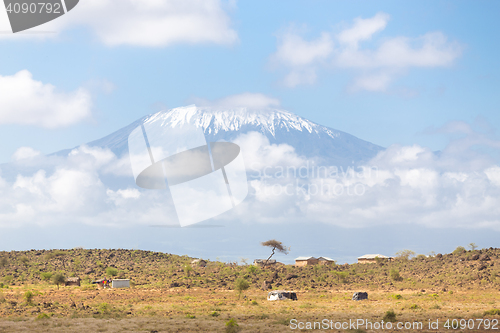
463 285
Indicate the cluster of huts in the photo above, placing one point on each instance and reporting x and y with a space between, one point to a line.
310 261
115 283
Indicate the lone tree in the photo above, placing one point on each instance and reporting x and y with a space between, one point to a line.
276 245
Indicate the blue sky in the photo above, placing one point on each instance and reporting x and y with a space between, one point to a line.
414 76
126 81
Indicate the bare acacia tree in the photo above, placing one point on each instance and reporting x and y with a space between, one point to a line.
276 245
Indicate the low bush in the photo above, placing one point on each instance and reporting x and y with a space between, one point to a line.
42 316
394 273
232 326
28 297
389 316
111 271
492 312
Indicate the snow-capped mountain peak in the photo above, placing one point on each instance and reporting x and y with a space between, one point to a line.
214 120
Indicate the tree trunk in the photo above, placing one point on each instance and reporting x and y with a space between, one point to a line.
269 258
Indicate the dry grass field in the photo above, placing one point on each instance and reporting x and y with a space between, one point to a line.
168 295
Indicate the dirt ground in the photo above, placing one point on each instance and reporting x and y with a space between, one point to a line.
85 309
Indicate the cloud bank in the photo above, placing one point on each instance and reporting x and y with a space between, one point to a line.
403 185
25 101
247 99
147 23
375 68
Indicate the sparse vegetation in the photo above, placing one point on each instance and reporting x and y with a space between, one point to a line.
232 326
58 279
42 316
390 316
395 275
111 271
24 260
492 312
472 246
405 254
3 262
432 287
241 285
28 297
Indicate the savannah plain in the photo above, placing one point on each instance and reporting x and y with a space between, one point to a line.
168 294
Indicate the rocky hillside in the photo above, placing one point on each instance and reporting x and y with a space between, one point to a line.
478 269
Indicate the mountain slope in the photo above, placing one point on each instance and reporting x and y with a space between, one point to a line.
309 139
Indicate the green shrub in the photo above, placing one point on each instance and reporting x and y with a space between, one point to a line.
240 285
389 316
8 279
104 308
254 302
414 307
397 296
394 273
188 269
459 250
252 269
43 316
28 297
3 262
111 271
492 312
232 326
46 276
215 314
24 260
342 276
58 279
189 316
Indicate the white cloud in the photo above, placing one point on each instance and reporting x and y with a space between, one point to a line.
372 82
375 68
25 153
26 101
401 185
76 189
149 23
293 50
363 29
247 99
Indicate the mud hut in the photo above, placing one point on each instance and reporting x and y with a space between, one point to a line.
326 261
371 258
306 261
72 281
